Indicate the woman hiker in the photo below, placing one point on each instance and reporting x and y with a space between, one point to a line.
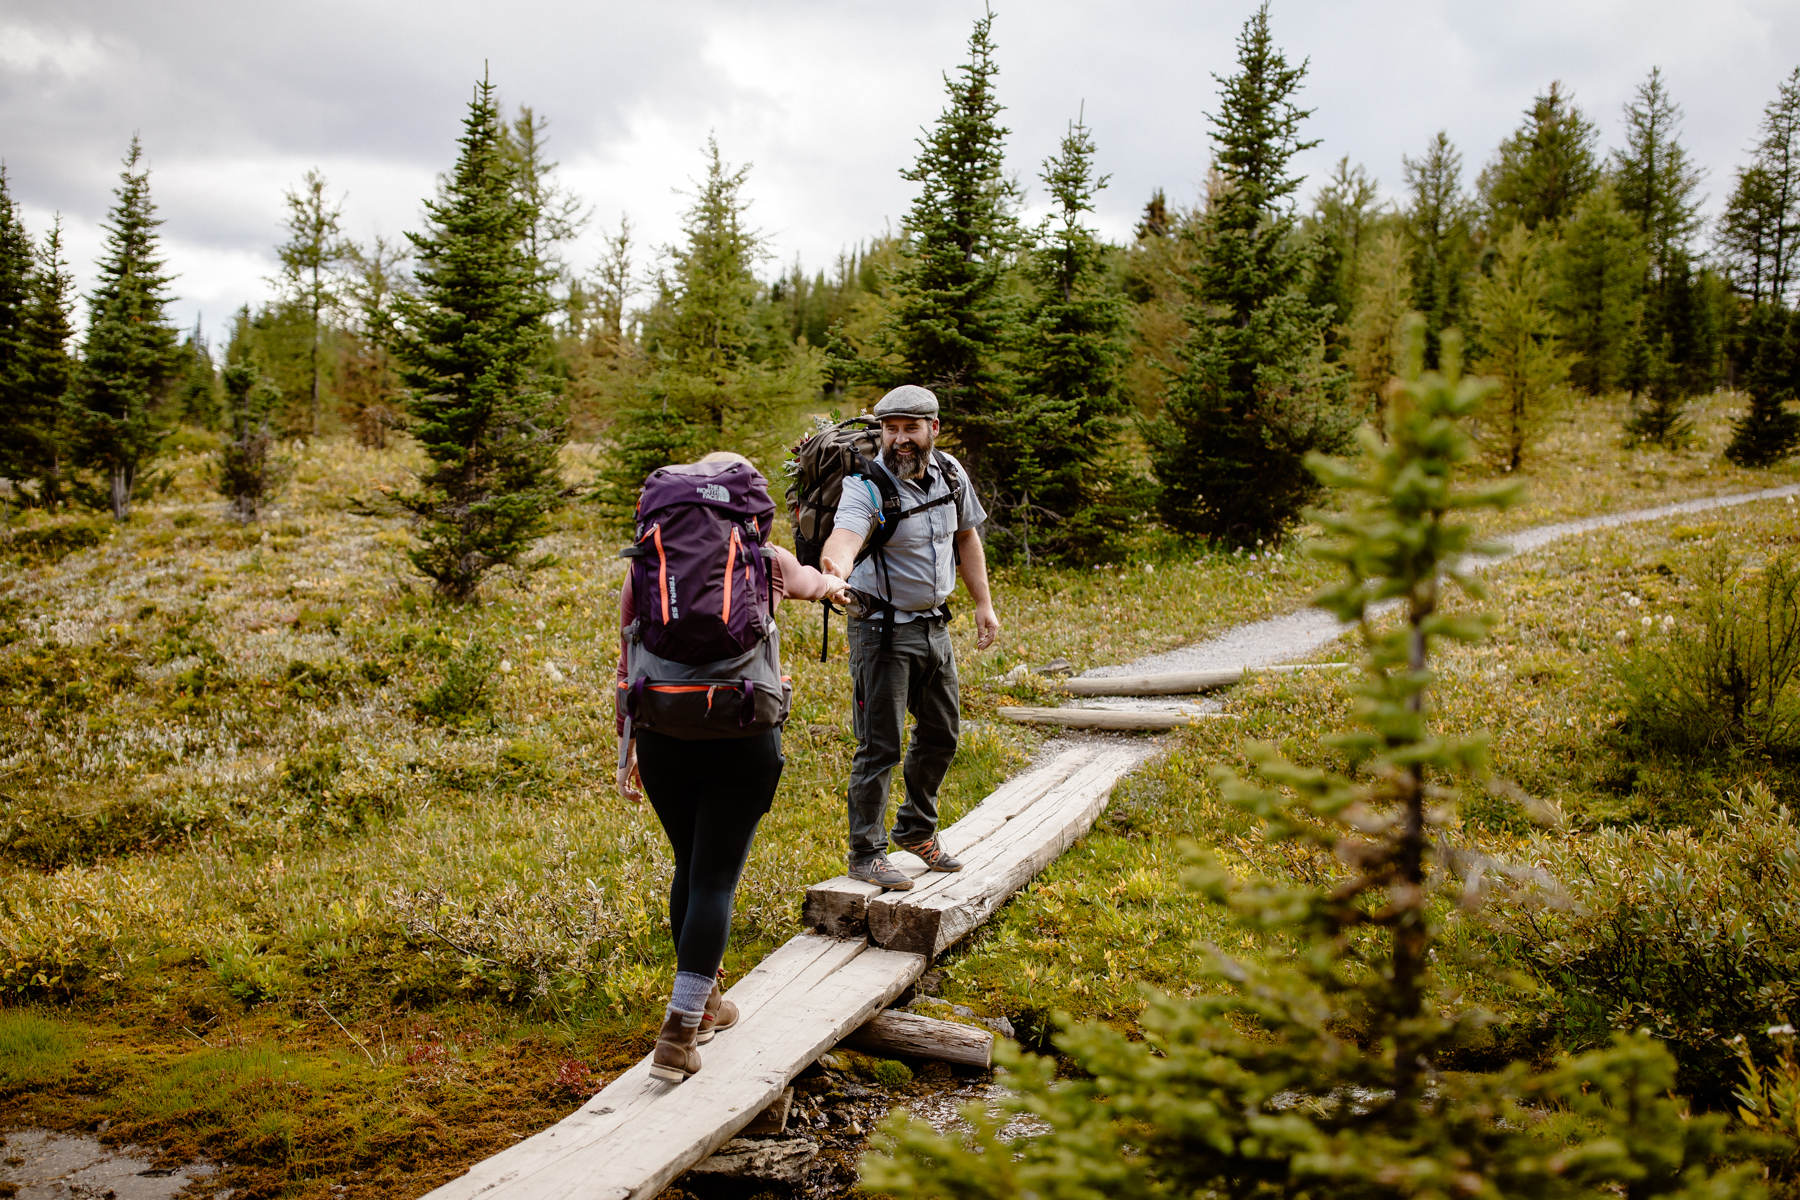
710 768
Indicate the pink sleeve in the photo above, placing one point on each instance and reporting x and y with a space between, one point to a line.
793 581
627 614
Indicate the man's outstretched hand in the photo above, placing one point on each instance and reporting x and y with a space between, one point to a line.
841 590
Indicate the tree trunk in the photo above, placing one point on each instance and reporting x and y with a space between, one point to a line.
121 493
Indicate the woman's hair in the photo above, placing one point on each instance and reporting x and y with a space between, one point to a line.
725 456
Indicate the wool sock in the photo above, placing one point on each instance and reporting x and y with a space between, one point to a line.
689 996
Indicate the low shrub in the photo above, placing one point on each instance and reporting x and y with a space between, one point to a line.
1725 678
1769 1103
466 689
52 543
1693 935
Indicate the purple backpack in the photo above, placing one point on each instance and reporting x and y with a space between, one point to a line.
697 566
703 657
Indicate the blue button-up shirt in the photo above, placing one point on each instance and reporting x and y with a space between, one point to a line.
920 568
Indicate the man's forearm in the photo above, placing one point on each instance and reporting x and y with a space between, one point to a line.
840 549
972 566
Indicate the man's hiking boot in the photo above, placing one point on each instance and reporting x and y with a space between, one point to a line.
721 1014
878 870
932 853
675 1057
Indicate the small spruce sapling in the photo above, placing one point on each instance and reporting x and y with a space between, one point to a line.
249 471
1318 1073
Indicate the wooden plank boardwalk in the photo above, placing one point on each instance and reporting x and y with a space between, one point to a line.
863 949
639 1133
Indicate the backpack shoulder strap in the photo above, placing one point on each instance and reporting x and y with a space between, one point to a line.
887 509
953 473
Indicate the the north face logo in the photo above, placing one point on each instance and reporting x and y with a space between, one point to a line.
717 493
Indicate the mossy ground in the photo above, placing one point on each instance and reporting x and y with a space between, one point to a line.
307 873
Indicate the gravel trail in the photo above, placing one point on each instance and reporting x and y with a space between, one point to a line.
1297 634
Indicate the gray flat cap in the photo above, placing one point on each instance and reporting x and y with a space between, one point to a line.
907 400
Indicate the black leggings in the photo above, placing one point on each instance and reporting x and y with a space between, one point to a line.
709 795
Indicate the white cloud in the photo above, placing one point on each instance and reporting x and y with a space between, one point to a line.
825 98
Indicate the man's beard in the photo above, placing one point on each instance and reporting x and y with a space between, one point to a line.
911 468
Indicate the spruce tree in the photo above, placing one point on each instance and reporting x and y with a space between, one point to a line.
1601 272
1320 1072
952 316
1342 224
248 470
558 217
1778 154
129 352
1515 342
1057 490
39 428
1769 430
720 378
197 399
1439 226
373 395
309 279
472 338
15 292
1381 304
1544 169
1657 185
1749 239
1253 396
1657 419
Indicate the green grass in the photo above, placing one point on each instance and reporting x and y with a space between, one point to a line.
276 886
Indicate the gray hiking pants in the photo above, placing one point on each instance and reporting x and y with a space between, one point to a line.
917 675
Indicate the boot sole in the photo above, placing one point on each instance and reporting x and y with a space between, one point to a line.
669 1074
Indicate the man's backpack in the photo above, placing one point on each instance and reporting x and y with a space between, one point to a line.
703 657
822 461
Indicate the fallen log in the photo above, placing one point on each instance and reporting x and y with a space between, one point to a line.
1175 683
1107 718
895 1032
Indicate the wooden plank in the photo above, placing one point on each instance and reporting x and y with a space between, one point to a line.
930 919
639 1133
1117 720
839 907
1025 826
1177 683
1102 764
801 959
909 1034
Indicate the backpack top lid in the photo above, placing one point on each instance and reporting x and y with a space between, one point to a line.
737 489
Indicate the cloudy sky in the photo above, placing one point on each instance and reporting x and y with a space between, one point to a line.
824 99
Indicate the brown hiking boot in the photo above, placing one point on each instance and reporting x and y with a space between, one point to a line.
675 1057
932 853
721 1014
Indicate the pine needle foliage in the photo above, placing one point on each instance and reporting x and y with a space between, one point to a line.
36 420
472 339
1252 394
1769 430
129 352
953 312
1320 1074
249 470
1060 490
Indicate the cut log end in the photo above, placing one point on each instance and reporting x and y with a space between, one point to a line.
909 1035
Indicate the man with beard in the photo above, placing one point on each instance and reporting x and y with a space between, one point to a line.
900 655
